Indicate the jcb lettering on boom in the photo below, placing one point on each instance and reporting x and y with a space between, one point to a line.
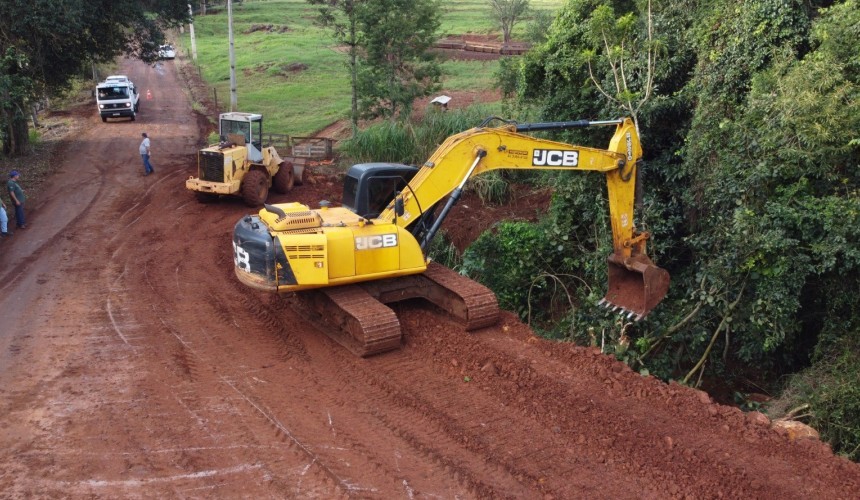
376 241
555 158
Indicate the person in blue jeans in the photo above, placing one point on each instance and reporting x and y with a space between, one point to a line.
4 220
16 194
144 153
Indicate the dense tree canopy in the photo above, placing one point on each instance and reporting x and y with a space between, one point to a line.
751 192
45 43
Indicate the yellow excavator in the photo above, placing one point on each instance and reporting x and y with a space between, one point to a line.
345 263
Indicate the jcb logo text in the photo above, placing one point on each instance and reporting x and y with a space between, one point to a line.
555 158
376 241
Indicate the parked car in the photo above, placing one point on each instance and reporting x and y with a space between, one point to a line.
166 52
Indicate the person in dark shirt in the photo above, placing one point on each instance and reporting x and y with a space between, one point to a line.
16 194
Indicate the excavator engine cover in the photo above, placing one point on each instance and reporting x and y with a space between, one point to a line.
636 285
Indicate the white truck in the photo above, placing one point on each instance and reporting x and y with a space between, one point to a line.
117 97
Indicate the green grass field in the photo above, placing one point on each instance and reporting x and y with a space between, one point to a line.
294 73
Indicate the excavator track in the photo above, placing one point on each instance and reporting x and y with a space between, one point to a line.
462 297
351 317
356 316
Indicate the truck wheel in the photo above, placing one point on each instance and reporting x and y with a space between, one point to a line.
132 117
284 179
137 107
104 119
255 188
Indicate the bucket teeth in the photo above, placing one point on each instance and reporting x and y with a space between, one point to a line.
620 310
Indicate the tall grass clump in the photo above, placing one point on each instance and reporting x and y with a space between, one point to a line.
492 187
443 251
385 141
410 142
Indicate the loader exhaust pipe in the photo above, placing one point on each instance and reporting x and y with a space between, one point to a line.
636 285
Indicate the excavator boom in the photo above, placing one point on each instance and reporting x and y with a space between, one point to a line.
346 263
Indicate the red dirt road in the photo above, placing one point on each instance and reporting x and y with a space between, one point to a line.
133 364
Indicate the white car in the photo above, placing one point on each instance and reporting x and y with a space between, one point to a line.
166 52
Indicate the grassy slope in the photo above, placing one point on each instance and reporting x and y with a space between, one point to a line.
305 101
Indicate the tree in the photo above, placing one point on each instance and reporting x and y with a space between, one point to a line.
396 68
44 46
630 61
340 17
507 13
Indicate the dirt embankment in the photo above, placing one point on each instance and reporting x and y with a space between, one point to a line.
134 365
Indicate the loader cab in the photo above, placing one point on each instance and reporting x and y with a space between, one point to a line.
243 129
370 187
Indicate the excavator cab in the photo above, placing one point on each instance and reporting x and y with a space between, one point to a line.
369 187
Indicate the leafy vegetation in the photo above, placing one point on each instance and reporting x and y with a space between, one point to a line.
42 49
411 143
397 67
751 192
507 13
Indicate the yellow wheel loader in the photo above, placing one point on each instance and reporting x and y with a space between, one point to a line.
239 164
345 263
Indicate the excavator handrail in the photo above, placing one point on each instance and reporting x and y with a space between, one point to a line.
540 126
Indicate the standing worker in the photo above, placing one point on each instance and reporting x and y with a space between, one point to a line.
144 153
18 198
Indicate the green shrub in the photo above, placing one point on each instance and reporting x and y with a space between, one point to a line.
506 259
830 388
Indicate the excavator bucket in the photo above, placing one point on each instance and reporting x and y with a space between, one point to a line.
636 285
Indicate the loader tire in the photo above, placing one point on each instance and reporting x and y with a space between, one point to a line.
255 188
284 180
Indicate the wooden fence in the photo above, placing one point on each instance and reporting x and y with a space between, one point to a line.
313 148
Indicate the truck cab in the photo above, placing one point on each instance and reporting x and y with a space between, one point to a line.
117 97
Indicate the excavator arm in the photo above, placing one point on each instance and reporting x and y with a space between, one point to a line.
636 285
479 150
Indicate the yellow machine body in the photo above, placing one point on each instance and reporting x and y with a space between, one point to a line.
290 247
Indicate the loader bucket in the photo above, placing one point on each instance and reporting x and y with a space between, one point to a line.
636 285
